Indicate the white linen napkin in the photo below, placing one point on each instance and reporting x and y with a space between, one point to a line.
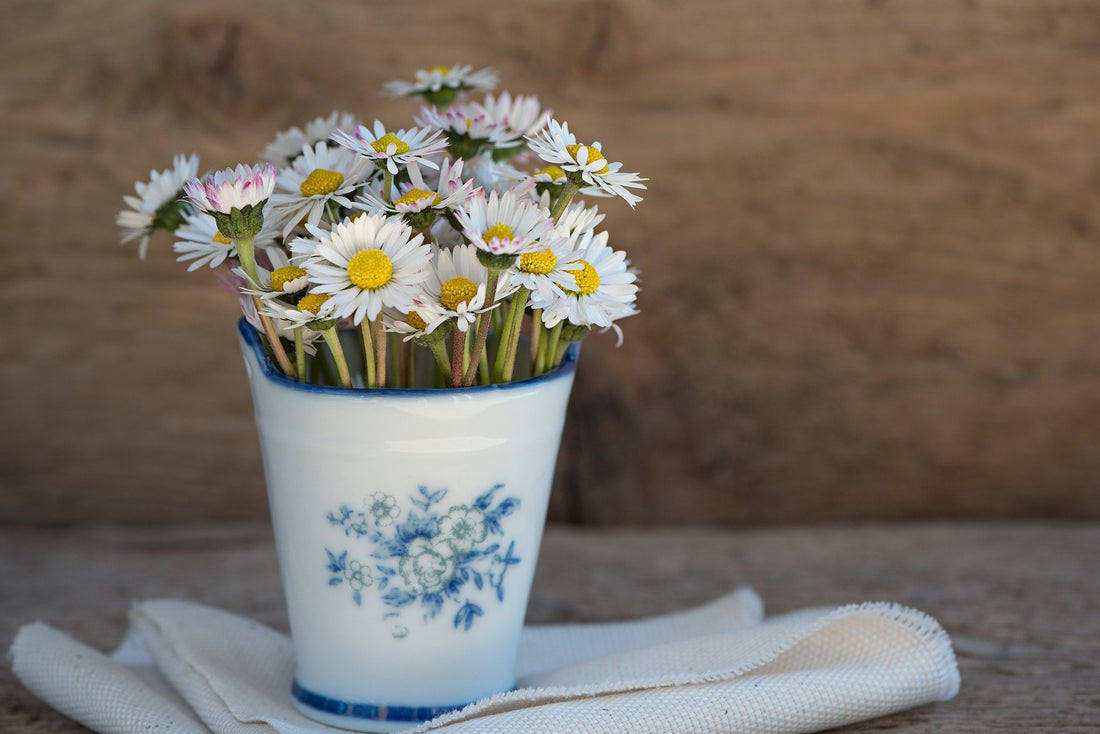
721 667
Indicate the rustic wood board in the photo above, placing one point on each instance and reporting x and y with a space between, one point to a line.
1020 600
869 247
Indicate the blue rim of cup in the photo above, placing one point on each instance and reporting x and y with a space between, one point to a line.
368 711
252 338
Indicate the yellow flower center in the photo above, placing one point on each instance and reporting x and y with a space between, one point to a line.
499 231
414 320
221 239
553 172
284 275
538 263
416 195
457 291
440 69
588 280
593 155
321 181
312 302
383 143
370 269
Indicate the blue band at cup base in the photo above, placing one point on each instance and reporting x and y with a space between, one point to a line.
375 712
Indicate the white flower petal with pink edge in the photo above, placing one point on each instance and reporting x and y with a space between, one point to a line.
504 224
232 188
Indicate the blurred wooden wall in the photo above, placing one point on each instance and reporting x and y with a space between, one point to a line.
870 247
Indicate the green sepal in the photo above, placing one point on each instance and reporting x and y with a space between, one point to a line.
170 215
442 97
463 146
420 220
503 155
496 262
436 335
241 224
573 332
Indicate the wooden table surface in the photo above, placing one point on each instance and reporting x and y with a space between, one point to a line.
1021 601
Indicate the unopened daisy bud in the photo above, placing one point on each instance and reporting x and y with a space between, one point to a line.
235 197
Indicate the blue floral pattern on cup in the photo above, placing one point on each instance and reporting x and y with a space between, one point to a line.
426 557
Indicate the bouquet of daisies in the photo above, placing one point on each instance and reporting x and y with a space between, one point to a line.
412 257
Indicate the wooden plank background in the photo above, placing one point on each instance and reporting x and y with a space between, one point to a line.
869 247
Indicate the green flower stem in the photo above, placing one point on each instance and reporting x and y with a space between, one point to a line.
483 369
368 353
300 353
379 335
439 351
274 341
559 353
536 336
482 329
568 191
387 185
552 345
547 351
506 352
246 254
333 340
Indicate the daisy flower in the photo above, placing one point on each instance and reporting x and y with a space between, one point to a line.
318 177
504 224
603 288
419 201
515 118
411 325
552 267
288 144
367 263
283 327
469 128
284 280
391 150
232 188
584 164
158 203
313 308
455 289
201 242
441 85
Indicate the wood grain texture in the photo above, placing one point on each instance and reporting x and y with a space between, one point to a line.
869 248
1019 600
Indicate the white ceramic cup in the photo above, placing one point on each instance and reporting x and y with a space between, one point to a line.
407 524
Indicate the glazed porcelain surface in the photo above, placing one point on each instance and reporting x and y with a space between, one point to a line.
407 524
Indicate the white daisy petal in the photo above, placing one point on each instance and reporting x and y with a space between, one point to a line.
288 144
